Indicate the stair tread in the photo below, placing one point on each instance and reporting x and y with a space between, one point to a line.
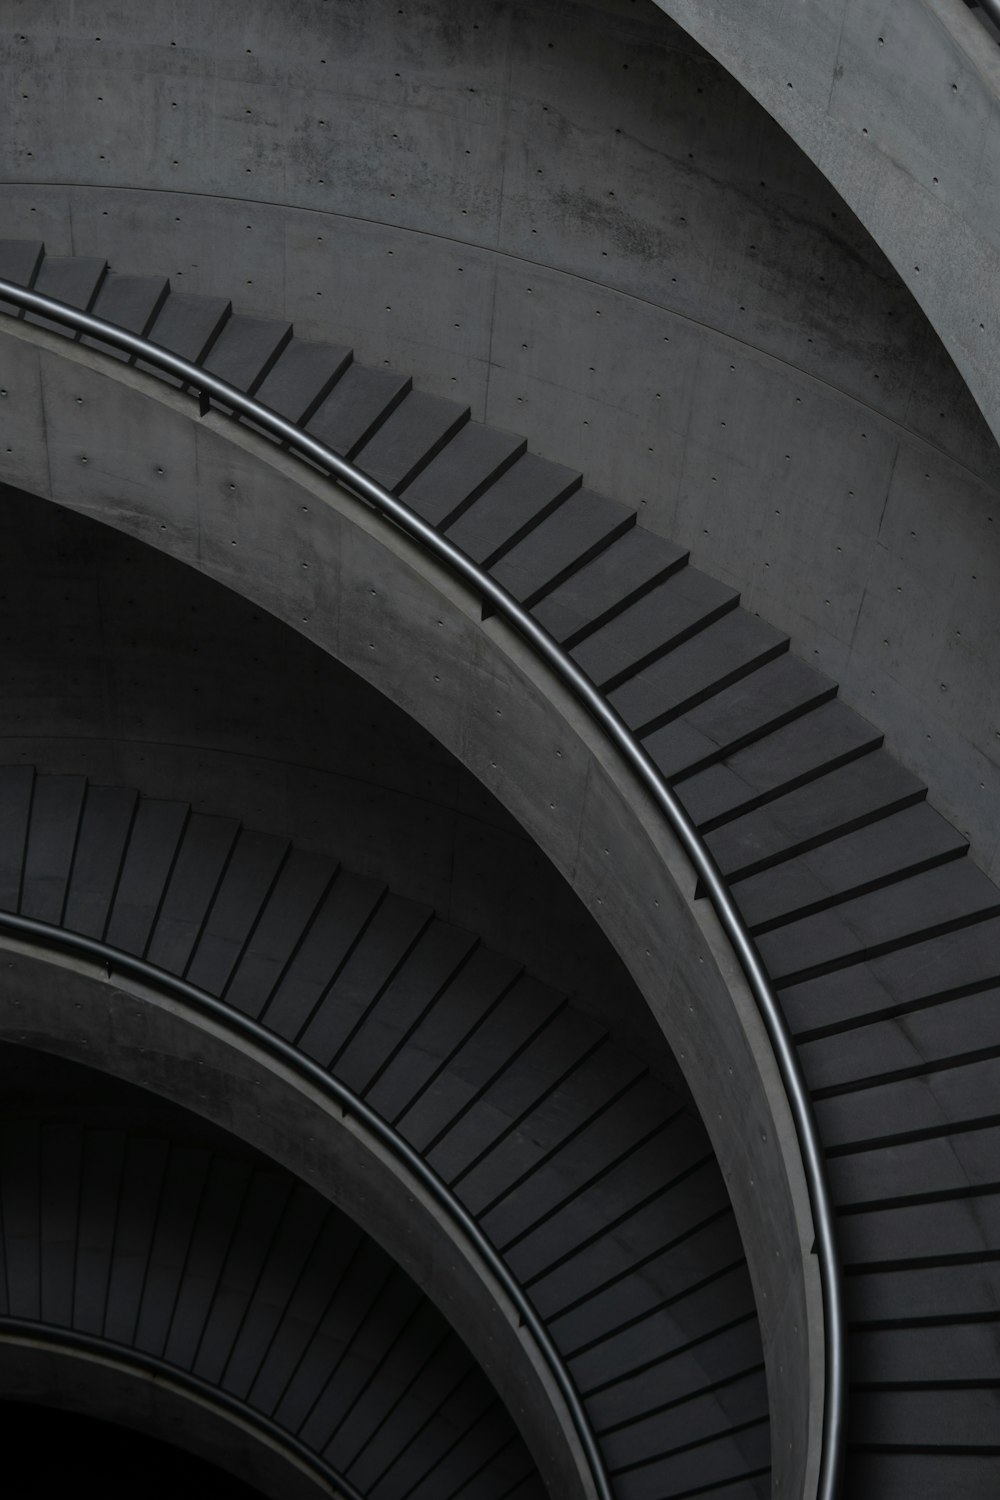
675 1376
948 1228
183 1185
187 326
968 958
369 1340
298 1233
426 973
698 667
522 495
525 1112
653 625
355 406
55 813
307 1311
478 987
921 1040
19 262
204 850
73 279
411 435
689 1205
16 787
803 748
131 302
958 1352
552 1210
104 830
149 854
946 1419
302 377
218 1215
935 1102
575 531
747 709
60 1161
482 1052
253 866
246 1257
466 466
631 565
384 945
877 852
336 925
143 1170
890 914
855 793
711 1413
921 1476
103 1159
287 913
938 1165
922 1292
680 1266
246 349
362 1281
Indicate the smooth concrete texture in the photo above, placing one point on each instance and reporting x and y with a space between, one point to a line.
43 1371
69 1007
124 666
899 107
230 504
572 218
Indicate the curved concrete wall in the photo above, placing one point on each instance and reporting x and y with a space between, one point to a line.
122 665
70 1008
232 505
577 221
899 107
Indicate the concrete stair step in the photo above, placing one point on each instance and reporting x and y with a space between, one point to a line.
567 538
74 279
464 469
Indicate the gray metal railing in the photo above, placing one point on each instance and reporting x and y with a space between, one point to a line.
548 650
990 8
188 1384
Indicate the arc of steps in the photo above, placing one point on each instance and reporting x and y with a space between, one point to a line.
881 937
232 1272
596 1183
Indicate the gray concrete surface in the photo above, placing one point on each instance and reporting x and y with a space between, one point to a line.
574 219
67 1007
215 496
124 666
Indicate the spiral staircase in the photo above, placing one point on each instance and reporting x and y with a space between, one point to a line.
592 1180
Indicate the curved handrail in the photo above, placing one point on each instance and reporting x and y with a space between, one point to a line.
992 9
349 1103
636 758
186 1382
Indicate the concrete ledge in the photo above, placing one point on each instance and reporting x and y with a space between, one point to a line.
117 445
70 1007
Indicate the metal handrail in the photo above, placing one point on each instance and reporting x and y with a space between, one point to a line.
635 757
188 1383
991 8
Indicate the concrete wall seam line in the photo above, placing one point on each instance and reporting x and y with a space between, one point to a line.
355 1108
615 729
190 1387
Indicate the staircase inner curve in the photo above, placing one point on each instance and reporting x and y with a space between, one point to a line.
879 937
